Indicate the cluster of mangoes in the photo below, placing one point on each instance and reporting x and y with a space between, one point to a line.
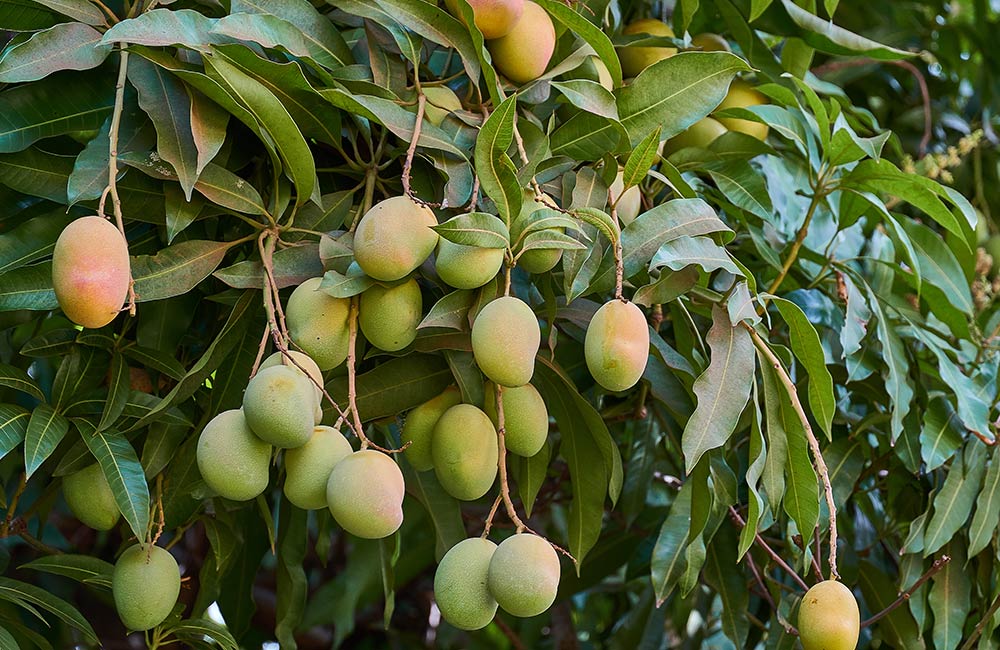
520 35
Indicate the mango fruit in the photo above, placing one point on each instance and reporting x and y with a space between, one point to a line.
394 237
505 339
312 371
145 585
629 204
418 429
523 54
829 618
467 267
280 406
616 345
365 494
526 420
308 468
90 499
700 134
465 453
90 271
709 42
389 316
460 584
232 460
524 575
635 59
494 18
317 323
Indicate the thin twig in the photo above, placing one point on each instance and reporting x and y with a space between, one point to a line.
112 188
12 508
800 237
905 596
770 551
818 459
502 462
821 469
412 149
976 633
489 517
159 509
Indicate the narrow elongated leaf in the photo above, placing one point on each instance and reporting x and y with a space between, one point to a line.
475 229
676 92
683 252
452 311
164 98
953 503
124 474
394 386
82 568
60 103
29 287
118 388
45 431
303 15
165 27
640 160
950 600
897 383
273 32
83 11
442 508
809 351
668 562
593 35
589 96
31 240
898 626
984 522
20 592
722 390
13 426
19 380
176 269
730 585
496 171
292 584
827 37
743 186
66 46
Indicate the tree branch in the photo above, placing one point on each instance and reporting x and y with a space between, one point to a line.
735 516
903 597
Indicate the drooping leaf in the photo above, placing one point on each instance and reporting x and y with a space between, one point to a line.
66 46
497 175
46 429
809 351
121 468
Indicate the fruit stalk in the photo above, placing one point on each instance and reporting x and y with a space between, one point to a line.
735 516
112 187
821 469
412 149
502 464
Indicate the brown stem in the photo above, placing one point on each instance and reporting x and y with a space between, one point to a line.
619 258
767 549
508 631
112 187
352 402
821 469
905 596
971 641
800 237
475 194
489 517
502 462
412 149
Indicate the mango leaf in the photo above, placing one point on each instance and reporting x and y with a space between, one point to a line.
984 522
668 562
743 186
443 509
292 267
164 98
475 229
61 103
45 431
121 468
13 426
953 503
676 92
118 388
165 27
809 351
950 600
593 35
82 568
176 269
589 96
66 46
316 27
729 584
292 584
83 11
722 390
703 252
339 285
19 592
451 311
394 386
531 475
19 380
194 630
640 160
826 37
497 174
898 627
940 433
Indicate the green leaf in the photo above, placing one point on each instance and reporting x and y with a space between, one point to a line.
83 11
273 118
940 433
45 431
32 240
953 503
641 160
13 426
451 311
292 584
898 627
722 390
984 522
161 443
164 98
305 17
16 591
443 509
668 562
29 287
475 229
809 351
82 568
757 461
897 383
592 34
176 269
118 388
827 37
292 267
61 103
497 174
743 186
270 31
694 251
938 265
531 474
67 46
121 468
589 96
197 629
215 183
164 28
676 92
950 600
394 386
339 285
730 585
19 380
